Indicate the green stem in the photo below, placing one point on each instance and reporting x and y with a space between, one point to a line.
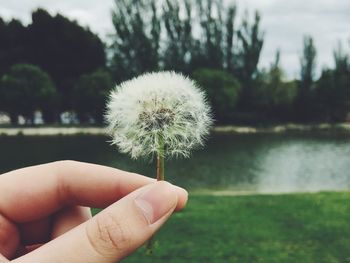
160 177
160 168
160 161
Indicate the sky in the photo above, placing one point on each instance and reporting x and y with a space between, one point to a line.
284 23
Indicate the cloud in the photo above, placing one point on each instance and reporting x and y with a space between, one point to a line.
94 14
285 23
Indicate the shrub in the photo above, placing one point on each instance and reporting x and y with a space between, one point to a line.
222 89
24 89
90 94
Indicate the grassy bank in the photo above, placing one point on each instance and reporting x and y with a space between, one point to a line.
266 228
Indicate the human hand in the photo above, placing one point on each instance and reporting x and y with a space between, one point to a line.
44 218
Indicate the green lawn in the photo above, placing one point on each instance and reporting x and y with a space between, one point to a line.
261 228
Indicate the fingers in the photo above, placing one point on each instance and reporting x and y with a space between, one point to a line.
38 191
42 230
9 238
115 232
68 218
35 232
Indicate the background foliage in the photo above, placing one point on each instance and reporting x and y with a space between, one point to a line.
203 39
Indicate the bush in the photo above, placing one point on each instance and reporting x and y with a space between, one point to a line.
24 89
274 93
222 89
89 96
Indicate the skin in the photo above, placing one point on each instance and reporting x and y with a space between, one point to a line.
44 214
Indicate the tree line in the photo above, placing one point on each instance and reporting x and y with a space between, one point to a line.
55 65
52 65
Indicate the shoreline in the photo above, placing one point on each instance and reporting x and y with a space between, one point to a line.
229 192
285 128
51 131
233 129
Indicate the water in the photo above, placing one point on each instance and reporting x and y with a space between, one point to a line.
255 162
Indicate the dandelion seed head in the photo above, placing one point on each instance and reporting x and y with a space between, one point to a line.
156 109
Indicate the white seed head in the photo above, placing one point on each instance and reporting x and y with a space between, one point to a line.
156 111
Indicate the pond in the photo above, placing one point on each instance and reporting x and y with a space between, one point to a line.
235 162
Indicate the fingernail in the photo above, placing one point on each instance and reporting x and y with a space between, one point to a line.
157 201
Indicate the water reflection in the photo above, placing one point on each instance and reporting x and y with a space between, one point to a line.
300 166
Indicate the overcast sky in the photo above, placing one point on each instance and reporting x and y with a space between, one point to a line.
284 22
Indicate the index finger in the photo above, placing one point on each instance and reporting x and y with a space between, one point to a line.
35 192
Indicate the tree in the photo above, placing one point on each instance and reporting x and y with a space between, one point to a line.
308 64
230 33
273 94
179 45
342 81
13 44
135 48
332 89
213 34
326 95
305 103
90 94
24 89
222 89
250 43
64 49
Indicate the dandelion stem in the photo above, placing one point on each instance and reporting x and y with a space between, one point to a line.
160 177
160 161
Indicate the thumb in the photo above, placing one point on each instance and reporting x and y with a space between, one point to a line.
3 259
116 231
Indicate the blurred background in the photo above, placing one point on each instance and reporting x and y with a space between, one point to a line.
270 62
276 73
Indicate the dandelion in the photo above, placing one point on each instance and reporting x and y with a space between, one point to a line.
158 114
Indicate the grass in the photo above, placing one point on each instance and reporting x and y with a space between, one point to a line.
260 228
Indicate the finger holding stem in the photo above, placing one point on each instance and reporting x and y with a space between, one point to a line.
162 114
